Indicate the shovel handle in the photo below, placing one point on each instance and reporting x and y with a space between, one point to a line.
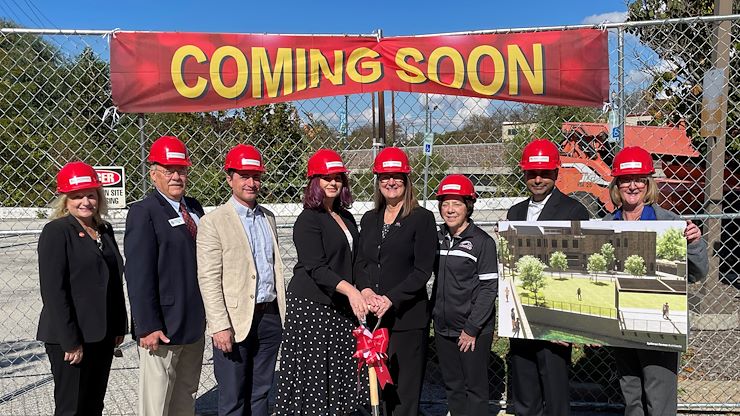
374 398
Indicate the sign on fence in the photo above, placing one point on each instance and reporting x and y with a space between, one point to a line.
113 179
189 72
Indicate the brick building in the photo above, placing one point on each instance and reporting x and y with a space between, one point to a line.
542 240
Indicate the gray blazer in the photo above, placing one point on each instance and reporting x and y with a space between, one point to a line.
696 252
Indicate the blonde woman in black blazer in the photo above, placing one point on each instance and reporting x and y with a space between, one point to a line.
84 313
395 258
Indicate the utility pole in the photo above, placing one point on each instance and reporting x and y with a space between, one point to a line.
715 306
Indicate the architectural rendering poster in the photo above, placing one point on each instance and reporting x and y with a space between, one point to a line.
617 283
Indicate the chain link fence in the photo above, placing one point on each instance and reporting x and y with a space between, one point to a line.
55 90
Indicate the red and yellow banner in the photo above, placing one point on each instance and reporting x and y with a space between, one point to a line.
187 72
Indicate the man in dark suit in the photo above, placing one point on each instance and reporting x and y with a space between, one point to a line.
161 271
533 360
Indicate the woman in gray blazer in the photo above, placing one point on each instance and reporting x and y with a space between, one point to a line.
648 378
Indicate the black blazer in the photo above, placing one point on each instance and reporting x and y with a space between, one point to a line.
77 288
558 207
162 273
398 266
324 256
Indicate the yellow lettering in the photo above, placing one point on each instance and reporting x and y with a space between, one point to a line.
499 71
458 66
178 60
361 56
283 70
242 75
320 65
409 73
301 76
534 74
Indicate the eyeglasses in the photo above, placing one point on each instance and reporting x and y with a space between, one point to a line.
627 181
387 178
329 178
168 173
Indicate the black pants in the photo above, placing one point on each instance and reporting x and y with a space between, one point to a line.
245 375
648 380
80 389
406 362
465 374
540 377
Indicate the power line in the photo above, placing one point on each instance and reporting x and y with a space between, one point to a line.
33 5
30 19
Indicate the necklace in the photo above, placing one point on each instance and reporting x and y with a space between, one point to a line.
95 234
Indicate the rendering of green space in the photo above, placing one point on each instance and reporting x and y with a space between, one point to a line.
597 297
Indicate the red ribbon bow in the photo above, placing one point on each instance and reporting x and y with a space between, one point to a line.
371 350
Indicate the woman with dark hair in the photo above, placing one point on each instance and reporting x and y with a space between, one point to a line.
395 258
648 378
465 290
84 312
318 374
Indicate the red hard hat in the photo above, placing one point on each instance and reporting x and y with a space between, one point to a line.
244 157
169 150
456 185
633 160
75 176
391 160
325 162
540 154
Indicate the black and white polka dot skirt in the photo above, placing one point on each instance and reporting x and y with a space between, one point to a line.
318 375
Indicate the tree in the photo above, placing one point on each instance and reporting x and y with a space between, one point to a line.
607 250
504 252
671 245
530 270
675 91
559 262
596 264
635 265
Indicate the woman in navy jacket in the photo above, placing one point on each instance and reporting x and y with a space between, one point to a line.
318 374
84 313
398 241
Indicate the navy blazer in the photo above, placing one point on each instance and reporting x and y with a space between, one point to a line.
558 207
398 266
324 256
77 288
162 273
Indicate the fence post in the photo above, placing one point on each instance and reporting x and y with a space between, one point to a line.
715 310
142 148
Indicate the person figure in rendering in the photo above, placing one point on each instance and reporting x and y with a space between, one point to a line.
545 361
241 280
318 373
83 317
162 281
394 262
465 289
506 293
648 378
578 293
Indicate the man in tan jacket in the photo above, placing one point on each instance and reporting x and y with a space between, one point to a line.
241 280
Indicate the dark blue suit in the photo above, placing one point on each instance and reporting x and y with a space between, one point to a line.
161 272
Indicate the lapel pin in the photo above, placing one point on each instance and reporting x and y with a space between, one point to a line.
81 234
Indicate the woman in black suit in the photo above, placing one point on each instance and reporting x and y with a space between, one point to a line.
395 258
318 374
84 313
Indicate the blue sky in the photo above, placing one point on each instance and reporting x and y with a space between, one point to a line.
394 17
289 16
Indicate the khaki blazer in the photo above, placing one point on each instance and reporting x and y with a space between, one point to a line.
227 274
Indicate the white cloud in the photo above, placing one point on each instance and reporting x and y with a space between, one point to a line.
611 17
